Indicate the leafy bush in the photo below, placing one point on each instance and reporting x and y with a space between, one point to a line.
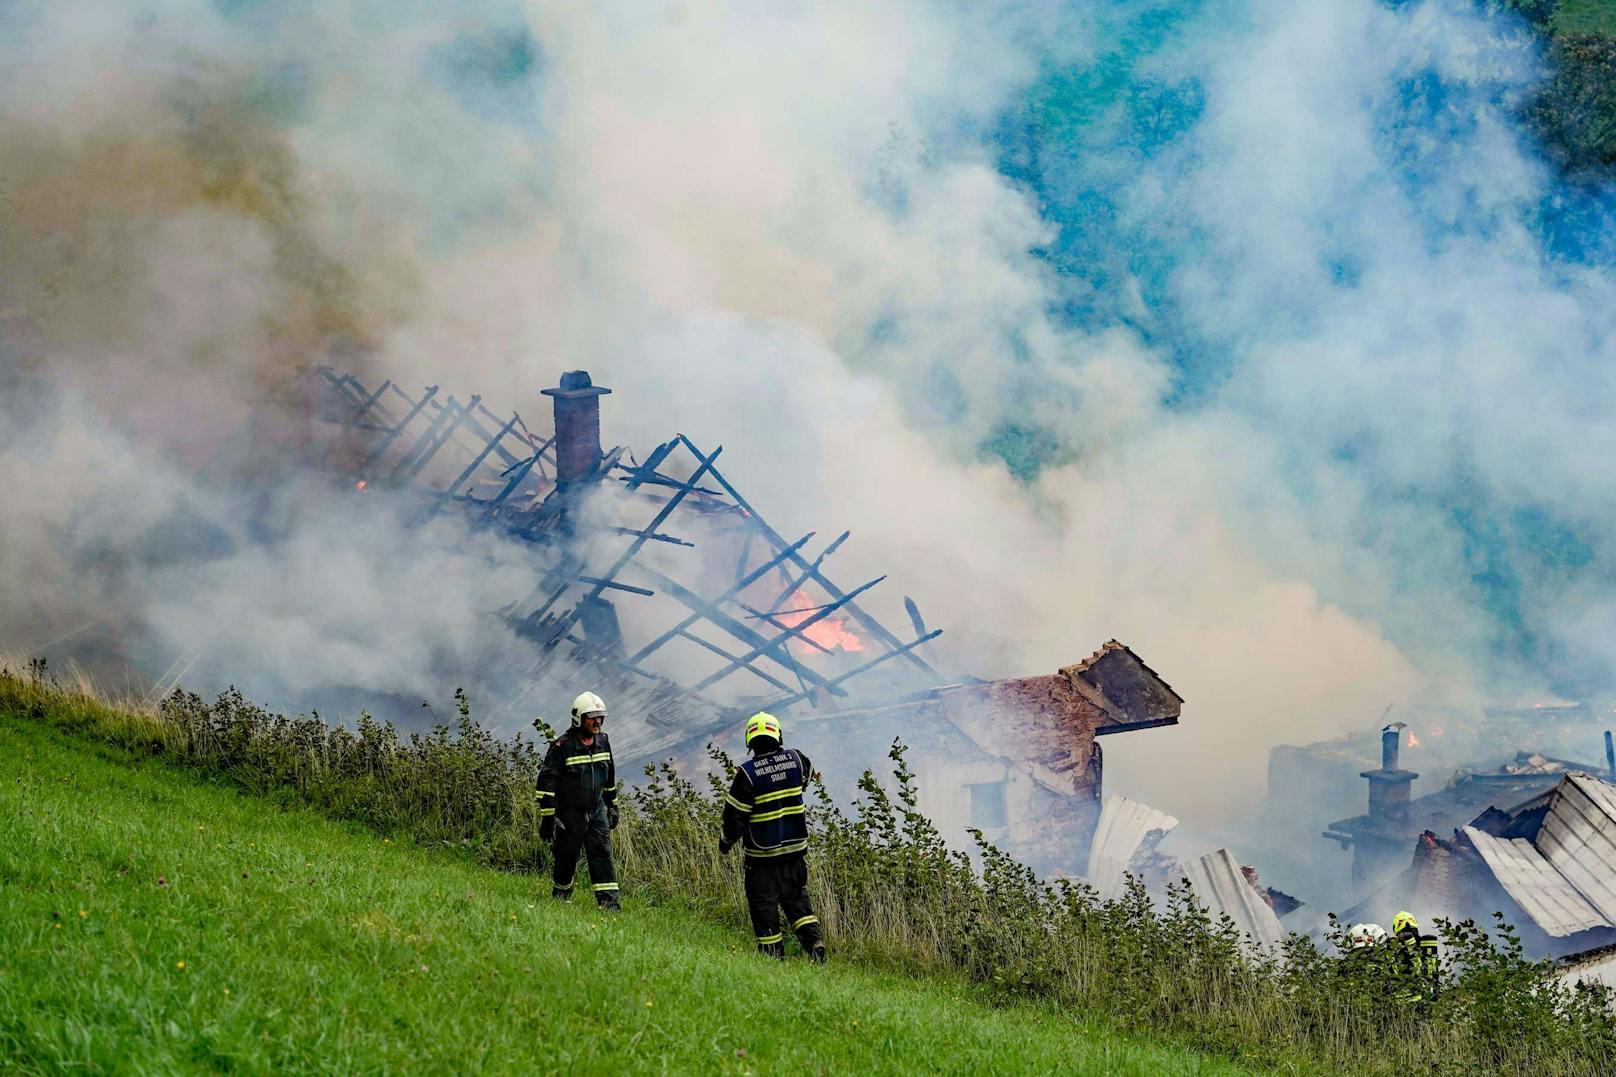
889 890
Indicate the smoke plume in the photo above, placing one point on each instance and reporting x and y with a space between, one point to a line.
1246 332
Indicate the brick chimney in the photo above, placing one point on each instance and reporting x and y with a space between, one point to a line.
577 427
1389 786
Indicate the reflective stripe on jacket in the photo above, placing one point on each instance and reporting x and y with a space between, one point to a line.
764 807
576 776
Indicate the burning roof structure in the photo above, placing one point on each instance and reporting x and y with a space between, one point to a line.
658 584
775 630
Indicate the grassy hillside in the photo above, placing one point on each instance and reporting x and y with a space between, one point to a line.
156 922
1586 17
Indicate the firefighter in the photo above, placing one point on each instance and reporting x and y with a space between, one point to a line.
1418 959
764 811
1365 936
1366 954
577 798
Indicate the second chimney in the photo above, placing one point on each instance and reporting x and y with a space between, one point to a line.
577 427
1389 786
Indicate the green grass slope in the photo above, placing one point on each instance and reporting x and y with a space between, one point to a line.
153 922
1586 17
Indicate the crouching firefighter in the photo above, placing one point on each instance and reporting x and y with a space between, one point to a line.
577 798
764 811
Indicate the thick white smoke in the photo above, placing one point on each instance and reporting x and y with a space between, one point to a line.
783 230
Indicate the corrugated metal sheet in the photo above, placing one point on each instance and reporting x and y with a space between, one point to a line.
1222 887
1579 838
1541 891
1124 825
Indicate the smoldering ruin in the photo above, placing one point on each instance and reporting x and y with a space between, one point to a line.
647 575
659 584
657 580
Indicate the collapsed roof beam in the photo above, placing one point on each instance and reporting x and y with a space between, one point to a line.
438 433
834 684
656 522
392 435
720 652
341 384
874 626
370 402
739 586
518 472
477 462
707 611
790 633
795 584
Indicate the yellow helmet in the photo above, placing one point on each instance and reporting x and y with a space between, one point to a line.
762 724
1403 921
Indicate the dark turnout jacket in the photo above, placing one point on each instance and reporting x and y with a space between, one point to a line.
576 776
764 808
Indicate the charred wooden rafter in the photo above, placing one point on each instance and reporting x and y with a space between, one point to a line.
501 478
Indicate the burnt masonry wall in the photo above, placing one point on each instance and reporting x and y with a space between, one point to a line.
1045 725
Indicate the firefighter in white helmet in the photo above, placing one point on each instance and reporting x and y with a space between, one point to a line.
577 797
1362 936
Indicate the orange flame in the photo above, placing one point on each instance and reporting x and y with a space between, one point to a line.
832 633
360 485
1413 741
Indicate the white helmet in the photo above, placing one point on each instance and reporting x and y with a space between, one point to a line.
587 703
1362 935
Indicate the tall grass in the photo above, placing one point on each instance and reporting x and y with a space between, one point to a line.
889 891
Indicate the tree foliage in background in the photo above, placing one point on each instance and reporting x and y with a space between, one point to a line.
1574 112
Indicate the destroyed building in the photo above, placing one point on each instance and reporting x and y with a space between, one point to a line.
657 584
1380 838
1547 863
1456 761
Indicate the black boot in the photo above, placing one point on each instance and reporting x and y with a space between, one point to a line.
773 949
817 954
609 902
564 894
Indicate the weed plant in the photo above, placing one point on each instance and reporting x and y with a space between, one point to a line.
891 892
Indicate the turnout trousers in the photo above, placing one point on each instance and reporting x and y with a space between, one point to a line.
585 829
775 883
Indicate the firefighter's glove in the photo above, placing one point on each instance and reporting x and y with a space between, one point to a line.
547 829
611 817
723 847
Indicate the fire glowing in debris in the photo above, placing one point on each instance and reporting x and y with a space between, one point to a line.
830 633
360 485
1413 741
802 606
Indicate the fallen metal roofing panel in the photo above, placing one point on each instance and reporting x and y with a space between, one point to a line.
1124 825
1222 887
1542 892
1579 838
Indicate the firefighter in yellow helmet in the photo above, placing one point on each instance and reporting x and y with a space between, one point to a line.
1418 958
764 811
577 797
